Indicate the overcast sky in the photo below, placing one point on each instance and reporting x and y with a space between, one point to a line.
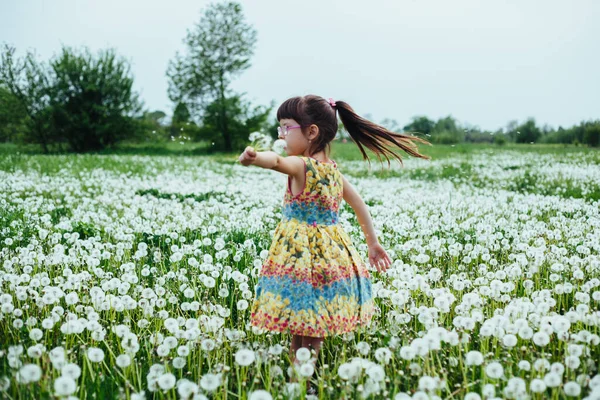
484 62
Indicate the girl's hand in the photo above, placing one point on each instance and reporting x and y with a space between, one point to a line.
379 258
248 156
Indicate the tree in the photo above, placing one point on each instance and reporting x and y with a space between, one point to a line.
420 124
243 119
528 132
28 81
13 117
75 100
219 49
93 103
591 134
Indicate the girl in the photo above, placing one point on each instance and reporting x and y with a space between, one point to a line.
313 282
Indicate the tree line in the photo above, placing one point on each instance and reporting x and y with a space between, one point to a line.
80 102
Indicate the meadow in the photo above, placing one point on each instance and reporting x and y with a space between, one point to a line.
129 274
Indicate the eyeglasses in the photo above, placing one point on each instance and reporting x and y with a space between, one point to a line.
286 130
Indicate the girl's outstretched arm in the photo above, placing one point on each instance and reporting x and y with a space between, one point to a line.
377 255
292 165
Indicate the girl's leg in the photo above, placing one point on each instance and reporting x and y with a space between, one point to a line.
312 343
295 345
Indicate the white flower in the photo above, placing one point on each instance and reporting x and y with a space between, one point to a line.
210 382
524 365
242 305
29 373
71 370
36 334
509 340
307 369
166 381
208 345
474 357
363 348
95 354
179 362
348 371
244 357
279 146
64 386
407 353
123 360
383 355
541 338
572 389
260 395
186 388
537 386
552 379
494 370
427 383
376 372
303 354
276 349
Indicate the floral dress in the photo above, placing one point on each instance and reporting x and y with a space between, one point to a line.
313 282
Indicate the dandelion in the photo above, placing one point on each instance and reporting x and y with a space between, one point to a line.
407 353
71 370
427 383
494 370
186 388
303 354
208 345
474 357
64 386
29 373
179 362
537 386
541 338
552 379
242 305
509 340
363 348
166 381
260 395
383 355
307 369
348 371
260 141
210 382
376 373
279 146
95 354
123 361
244 357
572 389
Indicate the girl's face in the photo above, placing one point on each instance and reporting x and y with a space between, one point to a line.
296 142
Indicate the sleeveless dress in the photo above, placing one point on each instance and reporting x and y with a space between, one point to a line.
313 281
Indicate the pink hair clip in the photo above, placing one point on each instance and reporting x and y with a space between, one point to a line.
331 102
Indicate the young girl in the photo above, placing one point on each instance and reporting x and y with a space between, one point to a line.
314 283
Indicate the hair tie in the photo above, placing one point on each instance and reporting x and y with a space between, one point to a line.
331 102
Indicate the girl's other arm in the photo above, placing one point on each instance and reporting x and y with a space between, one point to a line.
377 254
352 197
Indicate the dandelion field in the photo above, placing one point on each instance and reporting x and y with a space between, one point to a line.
131 277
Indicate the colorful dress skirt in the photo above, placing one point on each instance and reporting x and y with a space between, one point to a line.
313 282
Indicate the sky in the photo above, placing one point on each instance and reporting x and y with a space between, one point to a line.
484 62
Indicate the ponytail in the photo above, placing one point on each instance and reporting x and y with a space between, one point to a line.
375 137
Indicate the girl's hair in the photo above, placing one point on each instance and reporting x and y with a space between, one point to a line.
311 109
